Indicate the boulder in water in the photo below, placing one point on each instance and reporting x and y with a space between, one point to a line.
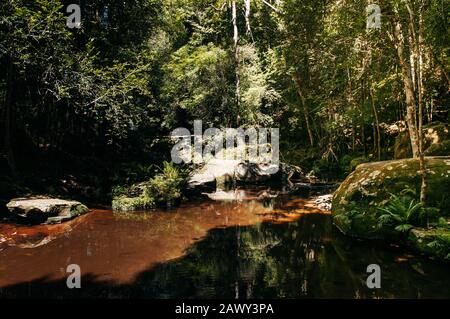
48 210
219 172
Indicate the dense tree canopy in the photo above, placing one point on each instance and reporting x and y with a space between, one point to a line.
137 69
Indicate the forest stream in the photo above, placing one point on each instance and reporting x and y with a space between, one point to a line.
282 247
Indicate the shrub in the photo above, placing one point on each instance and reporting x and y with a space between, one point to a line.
164 188
140 202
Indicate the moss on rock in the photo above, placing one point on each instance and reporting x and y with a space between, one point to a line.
356 202
371 184
357 161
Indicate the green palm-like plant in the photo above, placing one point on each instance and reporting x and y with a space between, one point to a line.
441 244
400 212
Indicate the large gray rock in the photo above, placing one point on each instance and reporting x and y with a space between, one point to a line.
220 172
45 209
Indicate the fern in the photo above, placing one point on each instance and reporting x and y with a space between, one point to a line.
401 212
404 228
441 244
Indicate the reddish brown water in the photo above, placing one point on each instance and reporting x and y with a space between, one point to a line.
118 246
282 248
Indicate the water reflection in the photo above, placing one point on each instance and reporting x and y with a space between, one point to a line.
284 248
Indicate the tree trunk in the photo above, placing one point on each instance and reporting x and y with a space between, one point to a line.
363 128
409 90
296 78
417 52
236 61
419 55
247 18
8 106
377 123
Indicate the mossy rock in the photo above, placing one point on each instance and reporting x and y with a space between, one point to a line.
434 133
357 161
440 149
431 242
356 202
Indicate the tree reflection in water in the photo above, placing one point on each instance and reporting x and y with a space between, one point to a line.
244 249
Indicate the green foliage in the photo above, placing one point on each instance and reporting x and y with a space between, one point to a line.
131 173
347 220
348 163
441 245
93 84
199 83
144 201
440 149
355 162
164 189
308 67
325 168
401 212
442 222
198 78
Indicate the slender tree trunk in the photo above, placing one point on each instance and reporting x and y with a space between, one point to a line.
409 89
350 102
363 129
247 18
296 78
412 58
7 121
416 48
377 123
374 133
236 61
423 168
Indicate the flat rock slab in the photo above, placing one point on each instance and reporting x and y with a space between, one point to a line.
220 171
39 210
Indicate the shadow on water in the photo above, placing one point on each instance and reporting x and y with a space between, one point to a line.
282 247
304 258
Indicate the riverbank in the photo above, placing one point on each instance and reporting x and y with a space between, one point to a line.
379 201
279 248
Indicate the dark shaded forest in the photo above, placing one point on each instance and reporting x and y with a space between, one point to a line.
91 93
94 105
